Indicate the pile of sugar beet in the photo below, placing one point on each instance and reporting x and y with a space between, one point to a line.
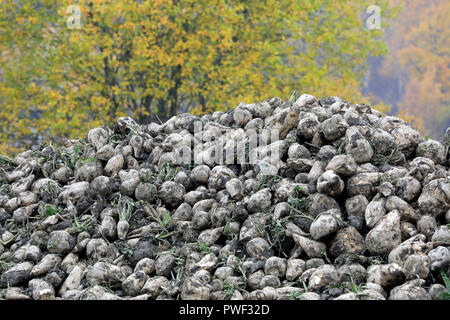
358 209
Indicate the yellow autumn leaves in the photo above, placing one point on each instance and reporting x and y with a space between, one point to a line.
142 58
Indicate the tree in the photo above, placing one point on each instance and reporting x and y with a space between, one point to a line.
419 52
139 58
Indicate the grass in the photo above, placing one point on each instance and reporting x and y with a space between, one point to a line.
125 250
77 153
4 187
180 274
341 148
2 178
230 288
163 223
276 229
238 267
355 288
5 266
114 138
341 223
202 247
136 223
47 210
351 258
88 224
387 178
128 252
125 208
300 207
446 293
70 159
10 225
291 140
394 158
277 232
376 260
52 189
305 287
295 295
227 225
6 163
23 230
147 177
62 156
267 181
179 260
5 243
166 173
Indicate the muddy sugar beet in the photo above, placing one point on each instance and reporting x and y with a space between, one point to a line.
303 200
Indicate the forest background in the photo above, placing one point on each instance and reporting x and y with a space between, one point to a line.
67 66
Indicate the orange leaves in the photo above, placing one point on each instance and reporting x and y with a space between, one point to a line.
416 121
419 42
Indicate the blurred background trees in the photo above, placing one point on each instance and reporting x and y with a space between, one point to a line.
154 59
414 77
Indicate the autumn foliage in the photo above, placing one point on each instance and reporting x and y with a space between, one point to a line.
419 53
142 58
